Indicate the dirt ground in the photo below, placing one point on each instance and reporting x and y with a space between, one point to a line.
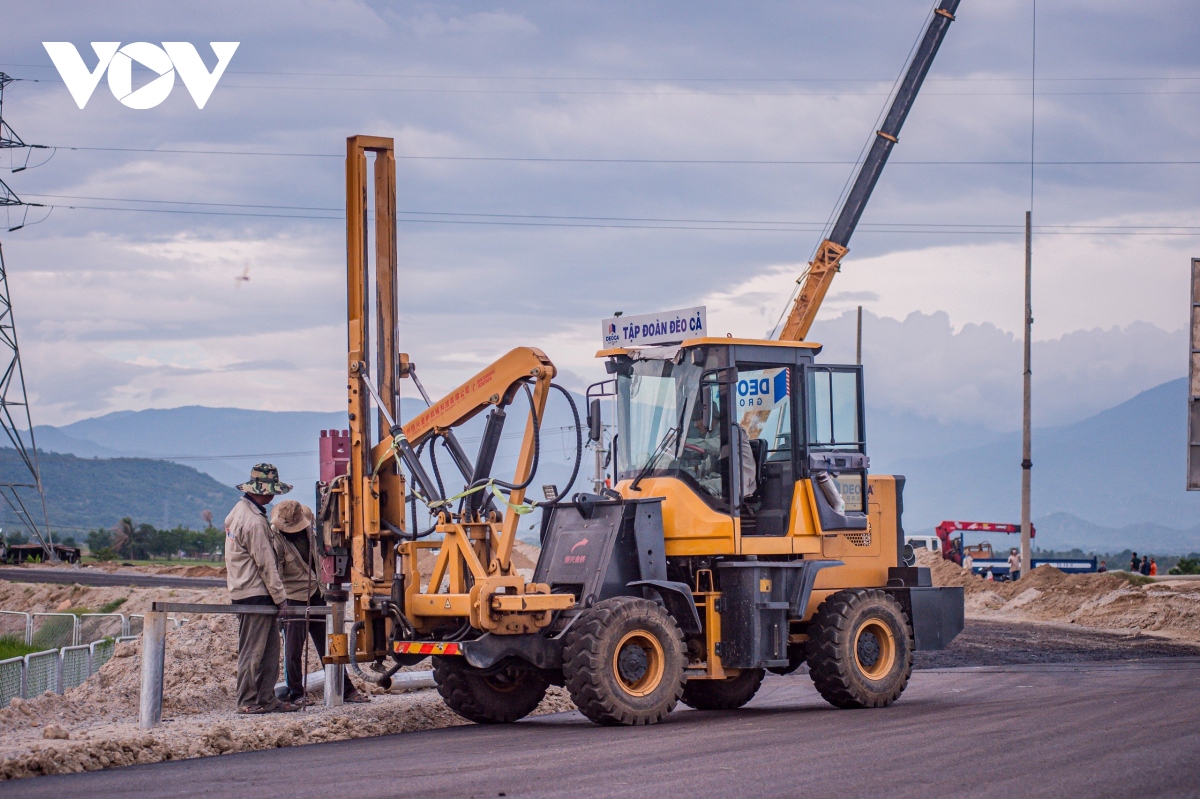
1111 601
94 725
51 597
1007 643
116 567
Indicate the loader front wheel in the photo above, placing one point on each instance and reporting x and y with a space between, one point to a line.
624 662
494 698
727 694
860 649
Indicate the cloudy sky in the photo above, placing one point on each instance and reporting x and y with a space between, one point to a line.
560 161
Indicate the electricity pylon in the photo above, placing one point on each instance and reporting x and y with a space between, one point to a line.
22 490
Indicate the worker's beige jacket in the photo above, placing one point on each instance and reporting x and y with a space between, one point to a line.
299 579
250 554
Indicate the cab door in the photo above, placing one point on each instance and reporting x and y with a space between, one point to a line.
762 399
834 444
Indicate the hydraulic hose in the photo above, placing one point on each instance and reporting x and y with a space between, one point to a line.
437 473
537 450
384 680
566 492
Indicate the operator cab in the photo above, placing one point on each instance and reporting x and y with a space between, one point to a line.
739 422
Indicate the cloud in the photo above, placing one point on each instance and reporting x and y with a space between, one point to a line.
142 305
921 365
264 364
482 23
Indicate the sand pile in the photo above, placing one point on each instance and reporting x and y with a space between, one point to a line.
1110 601
51 597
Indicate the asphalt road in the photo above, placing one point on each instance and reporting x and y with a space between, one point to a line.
45 574
1063 730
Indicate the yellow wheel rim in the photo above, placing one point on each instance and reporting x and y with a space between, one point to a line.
874 649
638 663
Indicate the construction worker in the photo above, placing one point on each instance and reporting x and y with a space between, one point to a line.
253 578
702 454
1014 565
968 562
298 567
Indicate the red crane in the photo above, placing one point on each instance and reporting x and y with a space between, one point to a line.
950 552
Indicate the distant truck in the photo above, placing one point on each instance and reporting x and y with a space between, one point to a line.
983 557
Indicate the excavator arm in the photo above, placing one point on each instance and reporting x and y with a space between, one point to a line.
495 387
814 282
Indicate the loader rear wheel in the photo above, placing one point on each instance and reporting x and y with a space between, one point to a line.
860 649
727 694
624 662
493 698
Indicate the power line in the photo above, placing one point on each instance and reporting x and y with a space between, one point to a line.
665 79
832 95
875 228
685 161
696 220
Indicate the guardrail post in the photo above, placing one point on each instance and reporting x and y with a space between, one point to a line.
154 648
334 672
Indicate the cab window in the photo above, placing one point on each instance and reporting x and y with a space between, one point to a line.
764 408
833 417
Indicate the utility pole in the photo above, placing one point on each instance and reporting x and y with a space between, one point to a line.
1026 432
858 346
1027 420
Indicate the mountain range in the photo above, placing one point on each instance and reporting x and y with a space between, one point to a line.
1110 481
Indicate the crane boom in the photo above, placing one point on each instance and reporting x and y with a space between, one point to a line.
814 283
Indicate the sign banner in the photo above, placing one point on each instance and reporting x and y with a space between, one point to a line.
668 327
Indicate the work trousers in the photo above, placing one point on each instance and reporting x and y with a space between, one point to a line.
293 649
258 655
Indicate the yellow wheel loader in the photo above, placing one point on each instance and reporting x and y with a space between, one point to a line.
741 533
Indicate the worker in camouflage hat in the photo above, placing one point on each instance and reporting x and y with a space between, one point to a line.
264 480
253 575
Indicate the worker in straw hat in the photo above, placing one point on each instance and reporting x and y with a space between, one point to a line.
253 577
298 550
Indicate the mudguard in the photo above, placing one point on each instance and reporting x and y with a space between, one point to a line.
678 600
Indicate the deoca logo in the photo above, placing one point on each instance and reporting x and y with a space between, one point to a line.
165 61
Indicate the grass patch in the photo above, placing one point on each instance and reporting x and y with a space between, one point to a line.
13 647
111 607
1135 579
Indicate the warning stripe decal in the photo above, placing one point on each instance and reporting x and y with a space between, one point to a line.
427 648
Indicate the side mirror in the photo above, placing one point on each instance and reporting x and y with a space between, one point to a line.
594 421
